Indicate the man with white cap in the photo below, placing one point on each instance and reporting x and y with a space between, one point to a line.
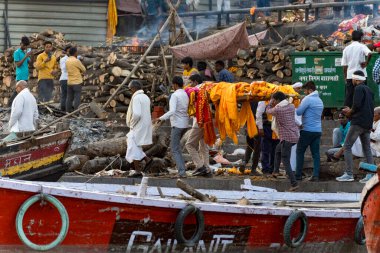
293 156
24 114
140 124
361 114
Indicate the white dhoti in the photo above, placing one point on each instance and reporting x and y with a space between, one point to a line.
134 152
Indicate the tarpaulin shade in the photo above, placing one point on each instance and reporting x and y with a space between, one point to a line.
220 46
253 39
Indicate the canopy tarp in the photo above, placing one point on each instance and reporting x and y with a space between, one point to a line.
220 46
254 39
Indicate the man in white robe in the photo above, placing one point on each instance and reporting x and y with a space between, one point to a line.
140 124
24 113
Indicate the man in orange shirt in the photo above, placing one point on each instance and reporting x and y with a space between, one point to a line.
75 69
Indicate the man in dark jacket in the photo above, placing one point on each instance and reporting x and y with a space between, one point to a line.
361 114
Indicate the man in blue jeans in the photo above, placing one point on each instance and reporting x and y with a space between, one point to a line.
179 120
310 109
361 114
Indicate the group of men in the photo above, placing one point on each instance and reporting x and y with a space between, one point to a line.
24 113
358 133
282 128
140 134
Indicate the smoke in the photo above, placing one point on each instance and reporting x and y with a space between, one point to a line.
151 27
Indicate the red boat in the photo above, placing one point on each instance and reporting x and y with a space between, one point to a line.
45 216
38 158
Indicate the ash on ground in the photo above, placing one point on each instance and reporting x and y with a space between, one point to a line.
87 131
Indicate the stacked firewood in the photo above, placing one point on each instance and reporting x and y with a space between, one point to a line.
106 70
272 62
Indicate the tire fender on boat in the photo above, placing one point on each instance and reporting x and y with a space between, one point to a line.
359 232
64 220
179 224
293 217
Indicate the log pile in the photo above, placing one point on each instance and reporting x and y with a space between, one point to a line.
106 69
272 63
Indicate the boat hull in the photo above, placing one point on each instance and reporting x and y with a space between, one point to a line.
35 159
371 214
133 224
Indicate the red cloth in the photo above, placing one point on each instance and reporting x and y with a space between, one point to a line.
204 115
377 44
219 46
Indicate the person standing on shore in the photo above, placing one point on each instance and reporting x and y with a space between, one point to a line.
63 77
354 58
75 70
288 133
361 114
139 122
46 64
179 120
24 113
22 59
310 109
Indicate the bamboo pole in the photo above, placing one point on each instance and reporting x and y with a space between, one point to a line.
127 78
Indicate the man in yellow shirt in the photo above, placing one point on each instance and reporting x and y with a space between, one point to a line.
46 64
188 70
75 69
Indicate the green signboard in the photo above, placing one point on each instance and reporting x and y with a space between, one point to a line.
325 69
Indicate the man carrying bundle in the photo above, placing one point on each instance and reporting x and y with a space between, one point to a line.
287 130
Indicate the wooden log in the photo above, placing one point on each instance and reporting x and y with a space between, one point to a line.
278 66
100 163
287 72
242 54
120 109
240 72
280 74
121 97
101 99
87 62
284 53
276 59
7 80
192 191
90 88
102 78
105 148
113 103
251 73
99 112
241 62
76 162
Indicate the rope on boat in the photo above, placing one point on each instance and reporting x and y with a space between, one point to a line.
179 224
293 217
64 219
359 232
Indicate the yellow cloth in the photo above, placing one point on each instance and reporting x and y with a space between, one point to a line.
112 19
74 69
45 68
190 72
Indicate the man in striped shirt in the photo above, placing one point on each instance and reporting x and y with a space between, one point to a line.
287 130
